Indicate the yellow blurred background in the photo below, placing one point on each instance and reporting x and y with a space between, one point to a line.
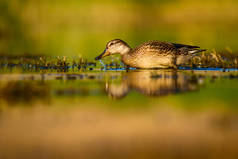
82 27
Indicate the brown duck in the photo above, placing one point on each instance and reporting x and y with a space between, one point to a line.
154 54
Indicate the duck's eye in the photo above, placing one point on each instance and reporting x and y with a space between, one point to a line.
112 43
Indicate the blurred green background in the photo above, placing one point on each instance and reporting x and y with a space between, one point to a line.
82 27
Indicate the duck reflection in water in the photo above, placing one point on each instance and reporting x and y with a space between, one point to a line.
153 83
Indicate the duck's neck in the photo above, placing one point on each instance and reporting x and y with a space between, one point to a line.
124 50
126 56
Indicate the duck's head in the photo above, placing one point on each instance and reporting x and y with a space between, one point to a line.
114 47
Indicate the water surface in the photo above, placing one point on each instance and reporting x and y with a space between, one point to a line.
119 114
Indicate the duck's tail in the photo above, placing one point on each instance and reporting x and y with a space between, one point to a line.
195 51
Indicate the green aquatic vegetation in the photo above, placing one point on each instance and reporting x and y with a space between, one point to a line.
212 59
44 63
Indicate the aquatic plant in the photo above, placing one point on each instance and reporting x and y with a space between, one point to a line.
214 59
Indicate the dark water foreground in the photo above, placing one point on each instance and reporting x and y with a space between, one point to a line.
119 114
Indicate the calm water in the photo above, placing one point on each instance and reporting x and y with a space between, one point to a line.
119 114
57 102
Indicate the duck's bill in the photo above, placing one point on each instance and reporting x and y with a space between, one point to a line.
105 53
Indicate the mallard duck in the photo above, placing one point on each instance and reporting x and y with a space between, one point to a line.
153 54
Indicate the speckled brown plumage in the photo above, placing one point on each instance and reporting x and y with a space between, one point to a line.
154 54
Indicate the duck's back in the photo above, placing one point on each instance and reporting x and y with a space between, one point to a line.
155 47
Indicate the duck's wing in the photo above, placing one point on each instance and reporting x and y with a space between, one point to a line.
188 49
167 48
155 47
178 46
